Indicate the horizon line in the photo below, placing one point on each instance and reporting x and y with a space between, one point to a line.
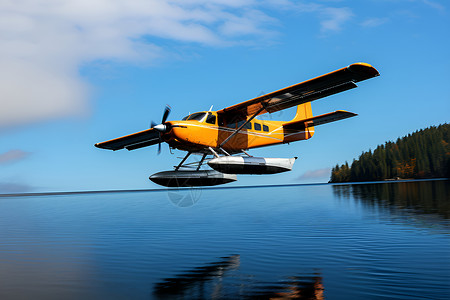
209 188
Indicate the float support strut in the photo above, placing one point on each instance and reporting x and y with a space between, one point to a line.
184 159
201 161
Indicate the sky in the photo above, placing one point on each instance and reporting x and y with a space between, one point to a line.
74 73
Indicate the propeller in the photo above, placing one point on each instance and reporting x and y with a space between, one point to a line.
162 127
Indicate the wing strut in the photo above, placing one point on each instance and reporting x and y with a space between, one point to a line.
263 106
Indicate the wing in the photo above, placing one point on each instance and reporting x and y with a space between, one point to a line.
307 91
133 141
319 120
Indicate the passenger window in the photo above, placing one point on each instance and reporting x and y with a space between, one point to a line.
211 119
265 128
258 126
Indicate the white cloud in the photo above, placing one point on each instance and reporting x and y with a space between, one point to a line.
434 5
13 156
334 18
247 24
316 174
331 18
15 187
43 43
374 22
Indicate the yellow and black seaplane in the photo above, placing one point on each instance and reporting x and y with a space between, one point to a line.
223 137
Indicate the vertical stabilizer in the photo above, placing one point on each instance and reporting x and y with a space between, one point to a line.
304 111
301 131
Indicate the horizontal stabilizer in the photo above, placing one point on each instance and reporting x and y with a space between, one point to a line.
319 120
133 141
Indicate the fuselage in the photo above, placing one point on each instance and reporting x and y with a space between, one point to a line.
199 131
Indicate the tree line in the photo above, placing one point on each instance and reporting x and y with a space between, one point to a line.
422 154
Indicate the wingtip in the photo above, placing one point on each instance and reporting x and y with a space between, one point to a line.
364 69
99 145
345 112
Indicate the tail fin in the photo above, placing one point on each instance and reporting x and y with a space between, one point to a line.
304 111
304 132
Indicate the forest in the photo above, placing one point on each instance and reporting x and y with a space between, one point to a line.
422 154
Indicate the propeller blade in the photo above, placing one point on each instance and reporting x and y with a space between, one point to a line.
166 114
161 127
159 144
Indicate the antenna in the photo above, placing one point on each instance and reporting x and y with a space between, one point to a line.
210 109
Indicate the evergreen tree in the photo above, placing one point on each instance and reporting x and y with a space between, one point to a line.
422 154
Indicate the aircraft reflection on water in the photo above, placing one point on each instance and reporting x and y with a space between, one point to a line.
419 198
209 282
184 198
188 283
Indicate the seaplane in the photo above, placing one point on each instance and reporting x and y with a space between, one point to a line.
223 138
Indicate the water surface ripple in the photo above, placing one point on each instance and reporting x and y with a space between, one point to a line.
355 241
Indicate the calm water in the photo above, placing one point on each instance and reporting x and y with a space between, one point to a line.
369 241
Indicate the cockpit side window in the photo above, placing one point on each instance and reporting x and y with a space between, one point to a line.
211 118
196 116
239 124
230 125
220 120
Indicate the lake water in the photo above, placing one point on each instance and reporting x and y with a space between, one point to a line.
364 241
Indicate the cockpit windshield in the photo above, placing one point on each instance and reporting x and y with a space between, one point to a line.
197 116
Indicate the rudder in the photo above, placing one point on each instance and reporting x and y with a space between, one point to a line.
304 111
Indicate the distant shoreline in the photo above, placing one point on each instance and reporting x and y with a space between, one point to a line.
212 188
422 154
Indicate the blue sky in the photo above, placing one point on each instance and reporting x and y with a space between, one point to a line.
79 72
